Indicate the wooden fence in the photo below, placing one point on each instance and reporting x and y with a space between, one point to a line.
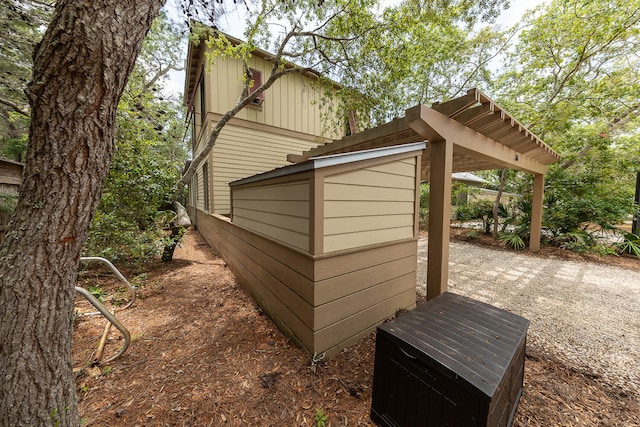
10 180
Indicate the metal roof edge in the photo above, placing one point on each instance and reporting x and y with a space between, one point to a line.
331 160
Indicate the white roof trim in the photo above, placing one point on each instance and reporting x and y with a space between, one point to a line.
331 160
468 177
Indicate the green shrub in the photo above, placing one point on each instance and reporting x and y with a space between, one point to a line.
577 240
513 241
629 245
479 210
8 202
120 241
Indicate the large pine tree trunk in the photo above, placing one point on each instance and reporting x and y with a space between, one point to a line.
79 73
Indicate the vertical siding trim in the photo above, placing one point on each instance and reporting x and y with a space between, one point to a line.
316 215
416 209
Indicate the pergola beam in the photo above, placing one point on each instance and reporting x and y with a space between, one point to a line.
457 105
429 122
446 135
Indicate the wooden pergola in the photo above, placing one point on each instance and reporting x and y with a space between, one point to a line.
469 133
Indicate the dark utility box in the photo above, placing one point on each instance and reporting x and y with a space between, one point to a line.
453 361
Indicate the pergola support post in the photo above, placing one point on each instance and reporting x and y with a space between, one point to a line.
536 212
439 217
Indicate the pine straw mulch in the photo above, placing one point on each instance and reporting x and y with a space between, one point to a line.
203 354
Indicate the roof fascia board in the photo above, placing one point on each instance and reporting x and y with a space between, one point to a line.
11 162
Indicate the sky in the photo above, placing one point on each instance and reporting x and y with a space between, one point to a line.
233 27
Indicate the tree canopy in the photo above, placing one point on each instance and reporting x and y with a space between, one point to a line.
573 78
423 52
22 24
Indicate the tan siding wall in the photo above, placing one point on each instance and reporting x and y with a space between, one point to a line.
326 304
276 277
292 106
277 211
198 129
200 190
369 206
242 152
356 291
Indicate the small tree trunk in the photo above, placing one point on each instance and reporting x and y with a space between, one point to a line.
178 228
80 70
496 203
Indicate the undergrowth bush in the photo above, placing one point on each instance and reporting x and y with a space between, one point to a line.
480 210
122 242
629 245
8 202
513 240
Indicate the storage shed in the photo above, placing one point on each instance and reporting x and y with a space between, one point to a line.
331 245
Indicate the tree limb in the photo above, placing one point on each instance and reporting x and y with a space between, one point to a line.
160 74
15 107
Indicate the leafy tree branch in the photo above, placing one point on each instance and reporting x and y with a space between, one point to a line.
15 107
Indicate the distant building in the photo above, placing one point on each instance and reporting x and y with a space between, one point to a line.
479 192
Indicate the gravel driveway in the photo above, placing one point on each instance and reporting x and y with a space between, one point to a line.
584 313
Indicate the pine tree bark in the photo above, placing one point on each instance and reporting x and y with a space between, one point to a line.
80 70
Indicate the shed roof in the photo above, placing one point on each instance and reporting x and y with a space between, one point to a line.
10 172
484 135
331 160
10 162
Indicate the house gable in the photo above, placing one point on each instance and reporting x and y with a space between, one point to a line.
290 118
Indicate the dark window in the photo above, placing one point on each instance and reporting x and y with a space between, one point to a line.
203 103
205 185
257 82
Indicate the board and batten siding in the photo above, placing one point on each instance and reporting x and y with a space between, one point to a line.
292 119
370 206
241 152
279 211
292 102
200 189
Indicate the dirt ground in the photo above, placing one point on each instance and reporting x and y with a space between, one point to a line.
203 354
